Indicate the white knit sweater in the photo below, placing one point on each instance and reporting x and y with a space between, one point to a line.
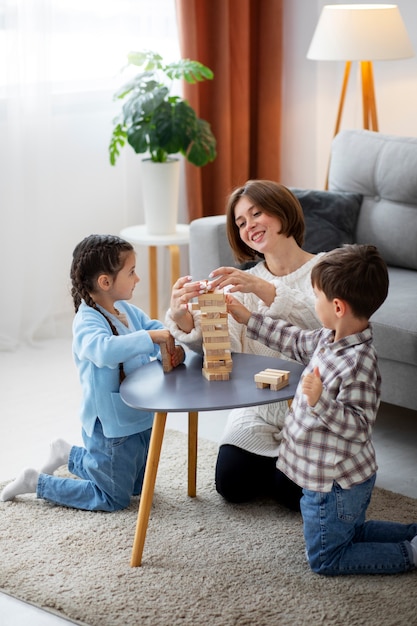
258 428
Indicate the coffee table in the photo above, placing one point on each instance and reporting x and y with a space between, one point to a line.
185 389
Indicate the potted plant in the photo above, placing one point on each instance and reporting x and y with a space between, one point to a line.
153 121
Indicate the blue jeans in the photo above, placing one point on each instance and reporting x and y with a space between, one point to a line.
340 541
111 471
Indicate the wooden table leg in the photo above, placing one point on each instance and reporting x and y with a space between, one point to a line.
192 453
174 252
146 497
153 282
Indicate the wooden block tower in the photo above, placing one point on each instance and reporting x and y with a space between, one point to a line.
217 363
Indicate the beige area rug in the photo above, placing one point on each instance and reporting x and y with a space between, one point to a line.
205 562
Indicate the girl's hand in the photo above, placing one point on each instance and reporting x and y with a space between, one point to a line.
163 336
237 310
312 386
232 279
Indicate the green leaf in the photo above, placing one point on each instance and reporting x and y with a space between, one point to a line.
151 60
191 71
203 148
135 84
138 137
175 125
144 103
118 139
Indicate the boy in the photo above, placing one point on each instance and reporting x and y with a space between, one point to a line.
326 442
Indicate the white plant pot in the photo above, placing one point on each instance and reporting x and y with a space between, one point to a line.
161 186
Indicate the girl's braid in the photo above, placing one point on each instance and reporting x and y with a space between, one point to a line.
95 255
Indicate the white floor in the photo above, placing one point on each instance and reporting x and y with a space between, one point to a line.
39 402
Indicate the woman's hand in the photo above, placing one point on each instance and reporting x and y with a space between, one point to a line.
232 279
237 310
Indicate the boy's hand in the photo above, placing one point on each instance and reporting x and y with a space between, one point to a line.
178 356
237 310
312 386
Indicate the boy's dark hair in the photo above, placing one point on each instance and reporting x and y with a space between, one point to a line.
272 198
354 273
95 255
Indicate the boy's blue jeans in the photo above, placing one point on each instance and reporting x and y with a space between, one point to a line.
339 540
111 471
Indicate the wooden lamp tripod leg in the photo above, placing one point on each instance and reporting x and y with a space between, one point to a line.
370 121
346 75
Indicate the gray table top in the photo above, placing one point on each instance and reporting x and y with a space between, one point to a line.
185 389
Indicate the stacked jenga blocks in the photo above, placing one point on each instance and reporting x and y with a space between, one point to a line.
274 379
217 363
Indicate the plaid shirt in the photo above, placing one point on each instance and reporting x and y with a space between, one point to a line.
332 440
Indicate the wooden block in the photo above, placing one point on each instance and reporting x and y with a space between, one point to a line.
274 379
166 358
215 361
210 375
284 373
272 386
217 345
214 335
215 318
213 311
212 296
217 367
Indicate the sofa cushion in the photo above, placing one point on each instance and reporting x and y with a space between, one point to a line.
395 322
330 218
384 169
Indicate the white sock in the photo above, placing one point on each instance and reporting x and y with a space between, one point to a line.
26 482
413 543
58 455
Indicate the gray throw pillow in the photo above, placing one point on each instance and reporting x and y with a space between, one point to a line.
330 218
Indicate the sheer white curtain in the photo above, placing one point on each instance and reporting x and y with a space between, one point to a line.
60 64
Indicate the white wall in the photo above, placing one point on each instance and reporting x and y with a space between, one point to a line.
312 91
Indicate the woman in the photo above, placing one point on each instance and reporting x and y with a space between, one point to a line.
265 223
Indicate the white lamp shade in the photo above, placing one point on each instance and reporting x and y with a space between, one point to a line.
360 32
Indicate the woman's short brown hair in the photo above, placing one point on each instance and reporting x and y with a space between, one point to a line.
272 198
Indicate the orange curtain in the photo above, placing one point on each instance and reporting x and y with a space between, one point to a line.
241 41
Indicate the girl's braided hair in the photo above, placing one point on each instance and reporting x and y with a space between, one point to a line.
95 255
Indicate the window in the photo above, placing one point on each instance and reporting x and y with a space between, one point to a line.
79 45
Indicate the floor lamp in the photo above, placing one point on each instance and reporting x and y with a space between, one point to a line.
363 33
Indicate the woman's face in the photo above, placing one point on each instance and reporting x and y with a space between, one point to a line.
257 229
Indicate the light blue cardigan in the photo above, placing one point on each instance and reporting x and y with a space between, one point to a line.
97 354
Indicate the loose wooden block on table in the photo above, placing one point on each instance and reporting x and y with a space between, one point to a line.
272 378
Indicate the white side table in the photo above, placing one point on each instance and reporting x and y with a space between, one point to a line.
138 235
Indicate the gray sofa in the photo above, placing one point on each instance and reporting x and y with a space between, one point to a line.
372 198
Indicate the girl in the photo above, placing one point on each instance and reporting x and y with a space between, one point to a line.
111 338
265 225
